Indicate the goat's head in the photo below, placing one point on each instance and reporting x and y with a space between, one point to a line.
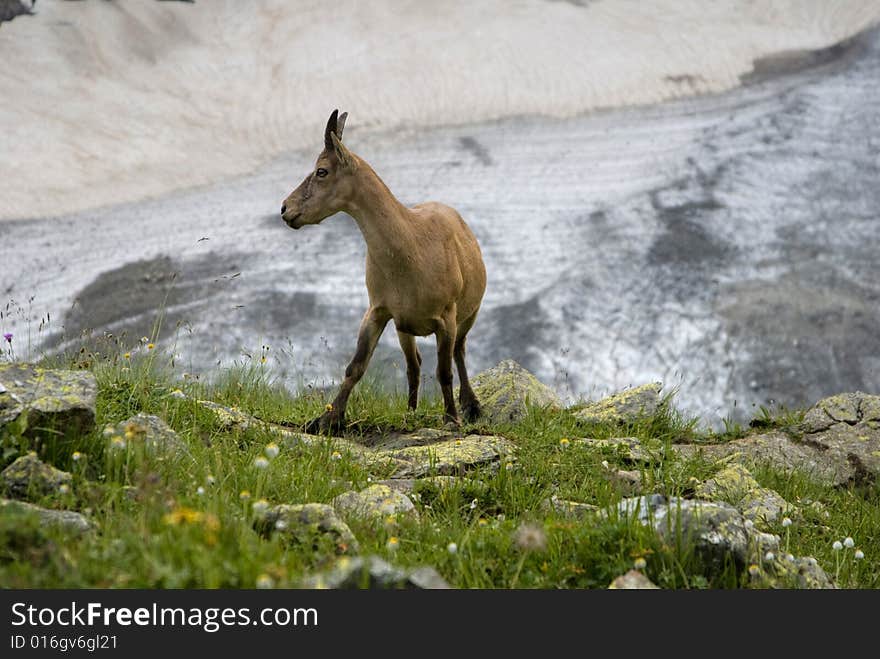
327 189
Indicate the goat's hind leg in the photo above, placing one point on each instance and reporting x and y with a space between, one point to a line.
371 329
413 366
470 406
445 342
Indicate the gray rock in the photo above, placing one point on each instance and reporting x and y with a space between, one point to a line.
627 406
736 486
28 477
450 457
374 573
312 524
801 573
230 418
626 481
565 508
409 485
838 444
716 530
632 580
148 431
507 390
420 437
376 502
46 405
67 520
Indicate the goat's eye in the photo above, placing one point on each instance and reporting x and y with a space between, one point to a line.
321 173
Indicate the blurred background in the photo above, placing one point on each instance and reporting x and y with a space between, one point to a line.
677 191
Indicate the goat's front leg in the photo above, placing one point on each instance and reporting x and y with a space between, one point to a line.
371 329
445 342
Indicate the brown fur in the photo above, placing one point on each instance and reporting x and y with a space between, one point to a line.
424 270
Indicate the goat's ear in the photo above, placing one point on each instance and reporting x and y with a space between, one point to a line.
331 128
342 153
340 124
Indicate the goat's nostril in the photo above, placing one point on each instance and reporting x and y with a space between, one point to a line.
283 208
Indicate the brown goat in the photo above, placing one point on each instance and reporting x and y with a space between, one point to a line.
424 270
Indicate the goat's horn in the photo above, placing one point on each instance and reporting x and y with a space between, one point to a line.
331 128
340 125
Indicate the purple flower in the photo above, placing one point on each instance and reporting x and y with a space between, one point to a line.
8 337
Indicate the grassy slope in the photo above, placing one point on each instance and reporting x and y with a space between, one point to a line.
140 546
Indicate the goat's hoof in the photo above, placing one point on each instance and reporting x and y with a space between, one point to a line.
471 411
451 423
327 422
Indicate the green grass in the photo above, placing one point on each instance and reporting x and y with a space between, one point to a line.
188 522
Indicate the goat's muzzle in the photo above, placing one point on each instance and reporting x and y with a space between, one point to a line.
291 221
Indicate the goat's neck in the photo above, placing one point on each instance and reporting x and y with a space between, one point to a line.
382 219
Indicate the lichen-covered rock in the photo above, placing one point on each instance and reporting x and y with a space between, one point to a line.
736 485
791 572
717 531
838 444
628 449
229 418
150 432
232 418
315 525
807 573
505 392
628 406
450 457
410 485
627 481
376 502
420 437
45 403
66 520
30 478
374 573
566 508
632 580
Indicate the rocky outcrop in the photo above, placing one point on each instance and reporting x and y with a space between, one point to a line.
838 443
450 457
507 390
632 580
736 486
30 478
314 525
628 406
416 454
376 503
67 520
46 404
374 573
717 531
150 432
